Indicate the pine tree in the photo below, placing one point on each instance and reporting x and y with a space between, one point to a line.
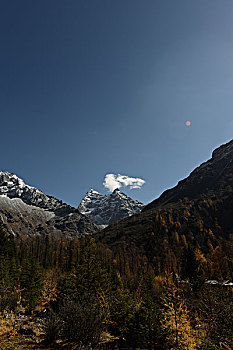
189 269
31 281
7 249
123 310
90 276
151 316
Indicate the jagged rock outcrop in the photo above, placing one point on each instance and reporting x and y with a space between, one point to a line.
12 186
25 210
106 209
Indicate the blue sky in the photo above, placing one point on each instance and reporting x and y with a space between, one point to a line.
89 88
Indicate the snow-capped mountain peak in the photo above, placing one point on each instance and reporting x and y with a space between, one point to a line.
91 200
119 194
106 209
26 210
12 186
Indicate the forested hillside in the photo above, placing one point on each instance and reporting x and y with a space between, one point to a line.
196 214
73 293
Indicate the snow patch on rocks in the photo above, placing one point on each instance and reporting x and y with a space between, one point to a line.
107 209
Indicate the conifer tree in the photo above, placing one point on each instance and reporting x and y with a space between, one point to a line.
31 281
153 332
189 267
7 249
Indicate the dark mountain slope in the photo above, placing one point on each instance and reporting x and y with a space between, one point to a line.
211 177
196 213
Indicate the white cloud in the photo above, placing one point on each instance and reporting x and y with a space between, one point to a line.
112 181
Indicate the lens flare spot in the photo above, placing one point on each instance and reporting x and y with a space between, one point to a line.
188 123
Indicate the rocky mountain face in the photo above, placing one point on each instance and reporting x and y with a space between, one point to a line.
12 186
212 177
107 209
26 210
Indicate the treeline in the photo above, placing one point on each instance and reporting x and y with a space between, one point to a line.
89 296
162 236
210 251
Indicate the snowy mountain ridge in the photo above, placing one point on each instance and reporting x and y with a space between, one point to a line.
12 186
26 210
107 209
